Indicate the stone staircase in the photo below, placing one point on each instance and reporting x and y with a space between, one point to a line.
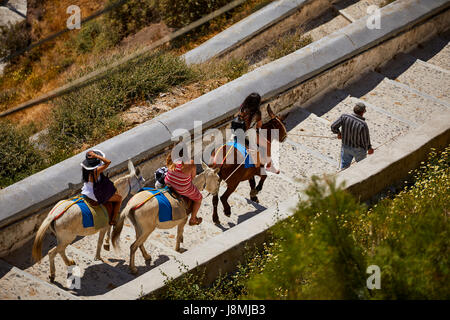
401 95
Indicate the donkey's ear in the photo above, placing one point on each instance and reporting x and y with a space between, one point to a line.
270 112
216 171
131 167
204 166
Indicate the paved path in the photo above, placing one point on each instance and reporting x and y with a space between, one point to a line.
400 96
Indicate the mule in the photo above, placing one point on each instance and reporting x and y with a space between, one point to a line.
67 227
234 173
145 218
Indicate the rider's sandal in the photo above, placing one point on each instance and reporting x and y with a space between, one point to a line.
196 222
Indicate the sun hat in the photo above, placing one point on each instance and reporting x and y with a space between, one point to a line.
359 107
92 163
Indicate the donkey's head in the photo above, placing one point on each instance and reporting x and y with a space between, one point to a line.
135 179
211 179
275 123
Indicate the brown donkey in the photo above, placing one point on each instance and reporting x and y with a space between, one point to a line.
234 173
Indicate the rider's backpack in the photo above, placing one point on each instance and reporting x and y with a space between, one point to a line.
160 174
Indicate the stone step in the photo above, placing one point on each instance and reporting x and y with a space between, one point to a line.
301 165
327 23
419 75
380 91
435 51
382 125
353 9
16 284
301 124
96 277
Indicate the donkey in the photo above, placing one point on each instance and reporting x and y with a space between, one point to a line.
69 225
234 173
145 218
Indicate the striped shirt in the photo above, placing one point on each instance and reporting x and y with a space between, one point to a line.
355 132
182 183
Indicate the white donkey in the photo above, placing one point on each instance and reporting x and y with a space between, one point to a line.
70 224
145 218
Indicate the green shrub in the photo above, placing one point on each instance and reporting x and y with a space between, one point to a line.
411 236
130 17
86 38
178 14
89 114
319 255
13 38
18 157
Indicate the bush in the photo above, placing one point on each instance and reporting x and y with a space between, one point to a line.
319 255
89 114
18 157
178 14
13 38
411 236
130 17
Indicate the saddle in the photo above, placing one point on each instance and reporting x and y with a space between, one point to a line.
108 206
172 206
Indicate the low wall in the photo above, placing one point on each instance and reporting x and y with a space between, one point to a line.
332 61
253 32
387 166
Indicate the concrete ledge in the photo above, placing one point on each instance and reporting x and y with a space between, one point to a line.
365 179
296 77
244 30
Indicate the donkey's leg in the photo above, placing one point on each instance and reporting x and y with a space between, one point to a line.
141 236
108 237
215 202
63 242
261 182
146 256
225 196
253 191
101 235
180 231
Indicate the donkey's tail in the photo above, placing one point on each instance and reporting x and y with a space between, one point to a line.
37 245
119 225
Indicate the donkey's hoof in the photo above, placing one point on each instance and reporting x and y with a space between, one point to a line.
133 271
227 213
216 220
71 263
254 199
148 258
106 247
51 278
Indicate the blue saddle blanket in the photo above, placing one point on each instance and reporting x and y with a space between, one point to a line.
165 208
248 159
88 219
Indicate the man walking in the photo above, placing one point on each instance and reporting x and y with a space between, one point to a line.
354 134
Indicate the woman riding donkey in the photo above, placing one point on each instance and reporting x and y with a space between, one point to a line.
97 187
179 177
250 116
